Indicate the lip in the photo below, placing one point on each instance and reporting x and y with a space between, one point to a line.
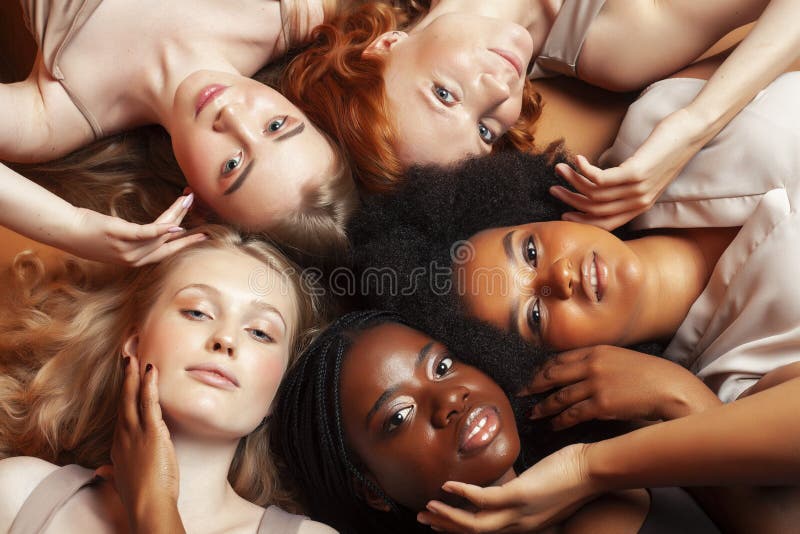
208 93
479 429
602 276
510 57
214 375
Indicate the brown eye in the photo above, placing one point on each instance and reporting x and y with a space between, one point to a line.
398 418
530 252
443 367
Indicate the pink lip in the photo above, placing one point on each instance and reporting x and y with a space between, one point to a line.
206 95
472 437
511 57
213 375
586 276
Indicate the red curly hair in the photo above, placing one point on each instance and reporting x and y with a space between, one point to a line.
342 91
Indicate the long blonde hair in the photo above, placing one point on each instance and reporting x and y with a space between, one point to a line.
61 335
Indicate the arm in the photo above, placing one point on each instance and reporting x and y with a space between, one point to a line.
753 441
31 210
612 197
19 476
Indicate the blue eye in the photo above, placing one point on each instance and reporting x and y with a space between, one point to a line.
196 315
398 418
260 335
531 255
486 134
444 95
443 367
276 124
232 164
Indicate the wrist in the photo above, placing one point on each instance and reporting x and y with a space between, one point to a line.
701 123
156 514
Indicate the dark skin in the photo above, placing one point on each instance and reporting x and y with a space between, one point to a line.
420 423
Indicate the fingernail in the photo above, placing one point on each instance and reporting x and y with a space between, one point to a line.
188 200
421 519
431 508
534 413
176 229
148 367
126 361
568 217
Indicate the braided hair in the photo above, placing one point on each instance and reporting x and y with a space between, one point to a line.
308 433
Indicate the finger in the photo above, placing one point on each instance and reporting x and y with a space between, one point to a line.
166 249
595 193
128 412
149 403
106 472
575 414
181 204
132 232
606 177
601 209
555 374
484 498
562 400
541 381
607 223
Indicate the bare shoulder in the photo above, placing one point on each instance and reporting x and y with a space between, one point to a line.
19 476
309 526
615 513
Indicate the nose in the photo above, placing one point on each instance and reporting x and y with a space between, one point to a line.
223 342
559 280
448 404
495 92
232 118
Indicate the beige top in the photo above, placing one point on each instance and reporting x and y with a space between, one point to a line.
53 23
58 487
563 45
746 322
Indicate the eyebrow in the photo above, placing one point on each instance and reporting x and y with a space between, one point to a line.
240 180
291 133
423 353
265 306
513 319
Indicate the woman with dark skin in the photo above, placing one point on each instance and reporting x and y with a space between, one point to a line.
562 286
377 415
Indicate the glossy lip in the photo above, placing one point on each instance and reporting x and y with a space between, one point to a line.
214 375
586 276
602 275
472 418
511 57
206 95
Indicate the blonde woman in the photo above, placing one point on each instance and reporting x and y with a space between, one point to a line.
107 67
211 330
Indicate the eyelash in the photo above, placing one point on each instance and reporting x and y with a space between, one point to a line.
487 136
190 314
405 411
280 122
257 333
266 337
447 100
535 317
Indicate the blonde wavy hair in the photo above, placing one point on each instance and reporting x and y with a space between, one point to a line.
62 335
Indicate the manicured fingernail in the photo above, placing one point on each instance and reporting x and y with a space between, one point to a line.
126 361
176 229
148 367
188 200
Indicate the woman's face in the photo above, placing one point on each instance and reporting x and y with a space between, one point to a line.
417 418
220 342
558 284
455 86
247 152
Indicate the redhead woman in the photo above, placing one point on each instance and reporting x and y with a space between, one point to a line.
191 350
452 82
106 67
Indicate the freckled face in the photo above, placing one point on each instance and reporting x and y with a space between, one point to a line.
246 151
220 344
558 284
415 417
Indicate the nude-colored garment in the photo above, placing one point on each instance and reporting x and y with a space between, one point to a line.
563 45
53 23
62 484
746 322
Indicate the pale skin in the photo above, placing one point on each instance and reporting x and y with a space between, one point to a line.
178 53
630 44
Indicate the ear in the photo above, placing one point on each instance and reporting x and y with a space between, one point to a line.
384 43
368 493
131 344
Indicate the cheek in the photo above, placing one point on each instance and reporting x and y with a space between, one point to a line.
268 371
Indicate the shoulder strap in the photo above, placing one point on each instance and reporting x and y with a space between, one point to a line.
50 495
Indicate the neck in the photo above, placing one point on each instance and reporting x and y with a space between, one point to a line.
204 488
676 270
535 15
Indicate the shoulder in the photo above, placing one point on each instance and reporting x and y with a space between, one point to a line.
309 526
19 476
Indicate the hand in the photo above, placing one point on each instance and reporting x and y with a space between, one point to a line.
606 382
145 470
99 237
610 198
544 494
